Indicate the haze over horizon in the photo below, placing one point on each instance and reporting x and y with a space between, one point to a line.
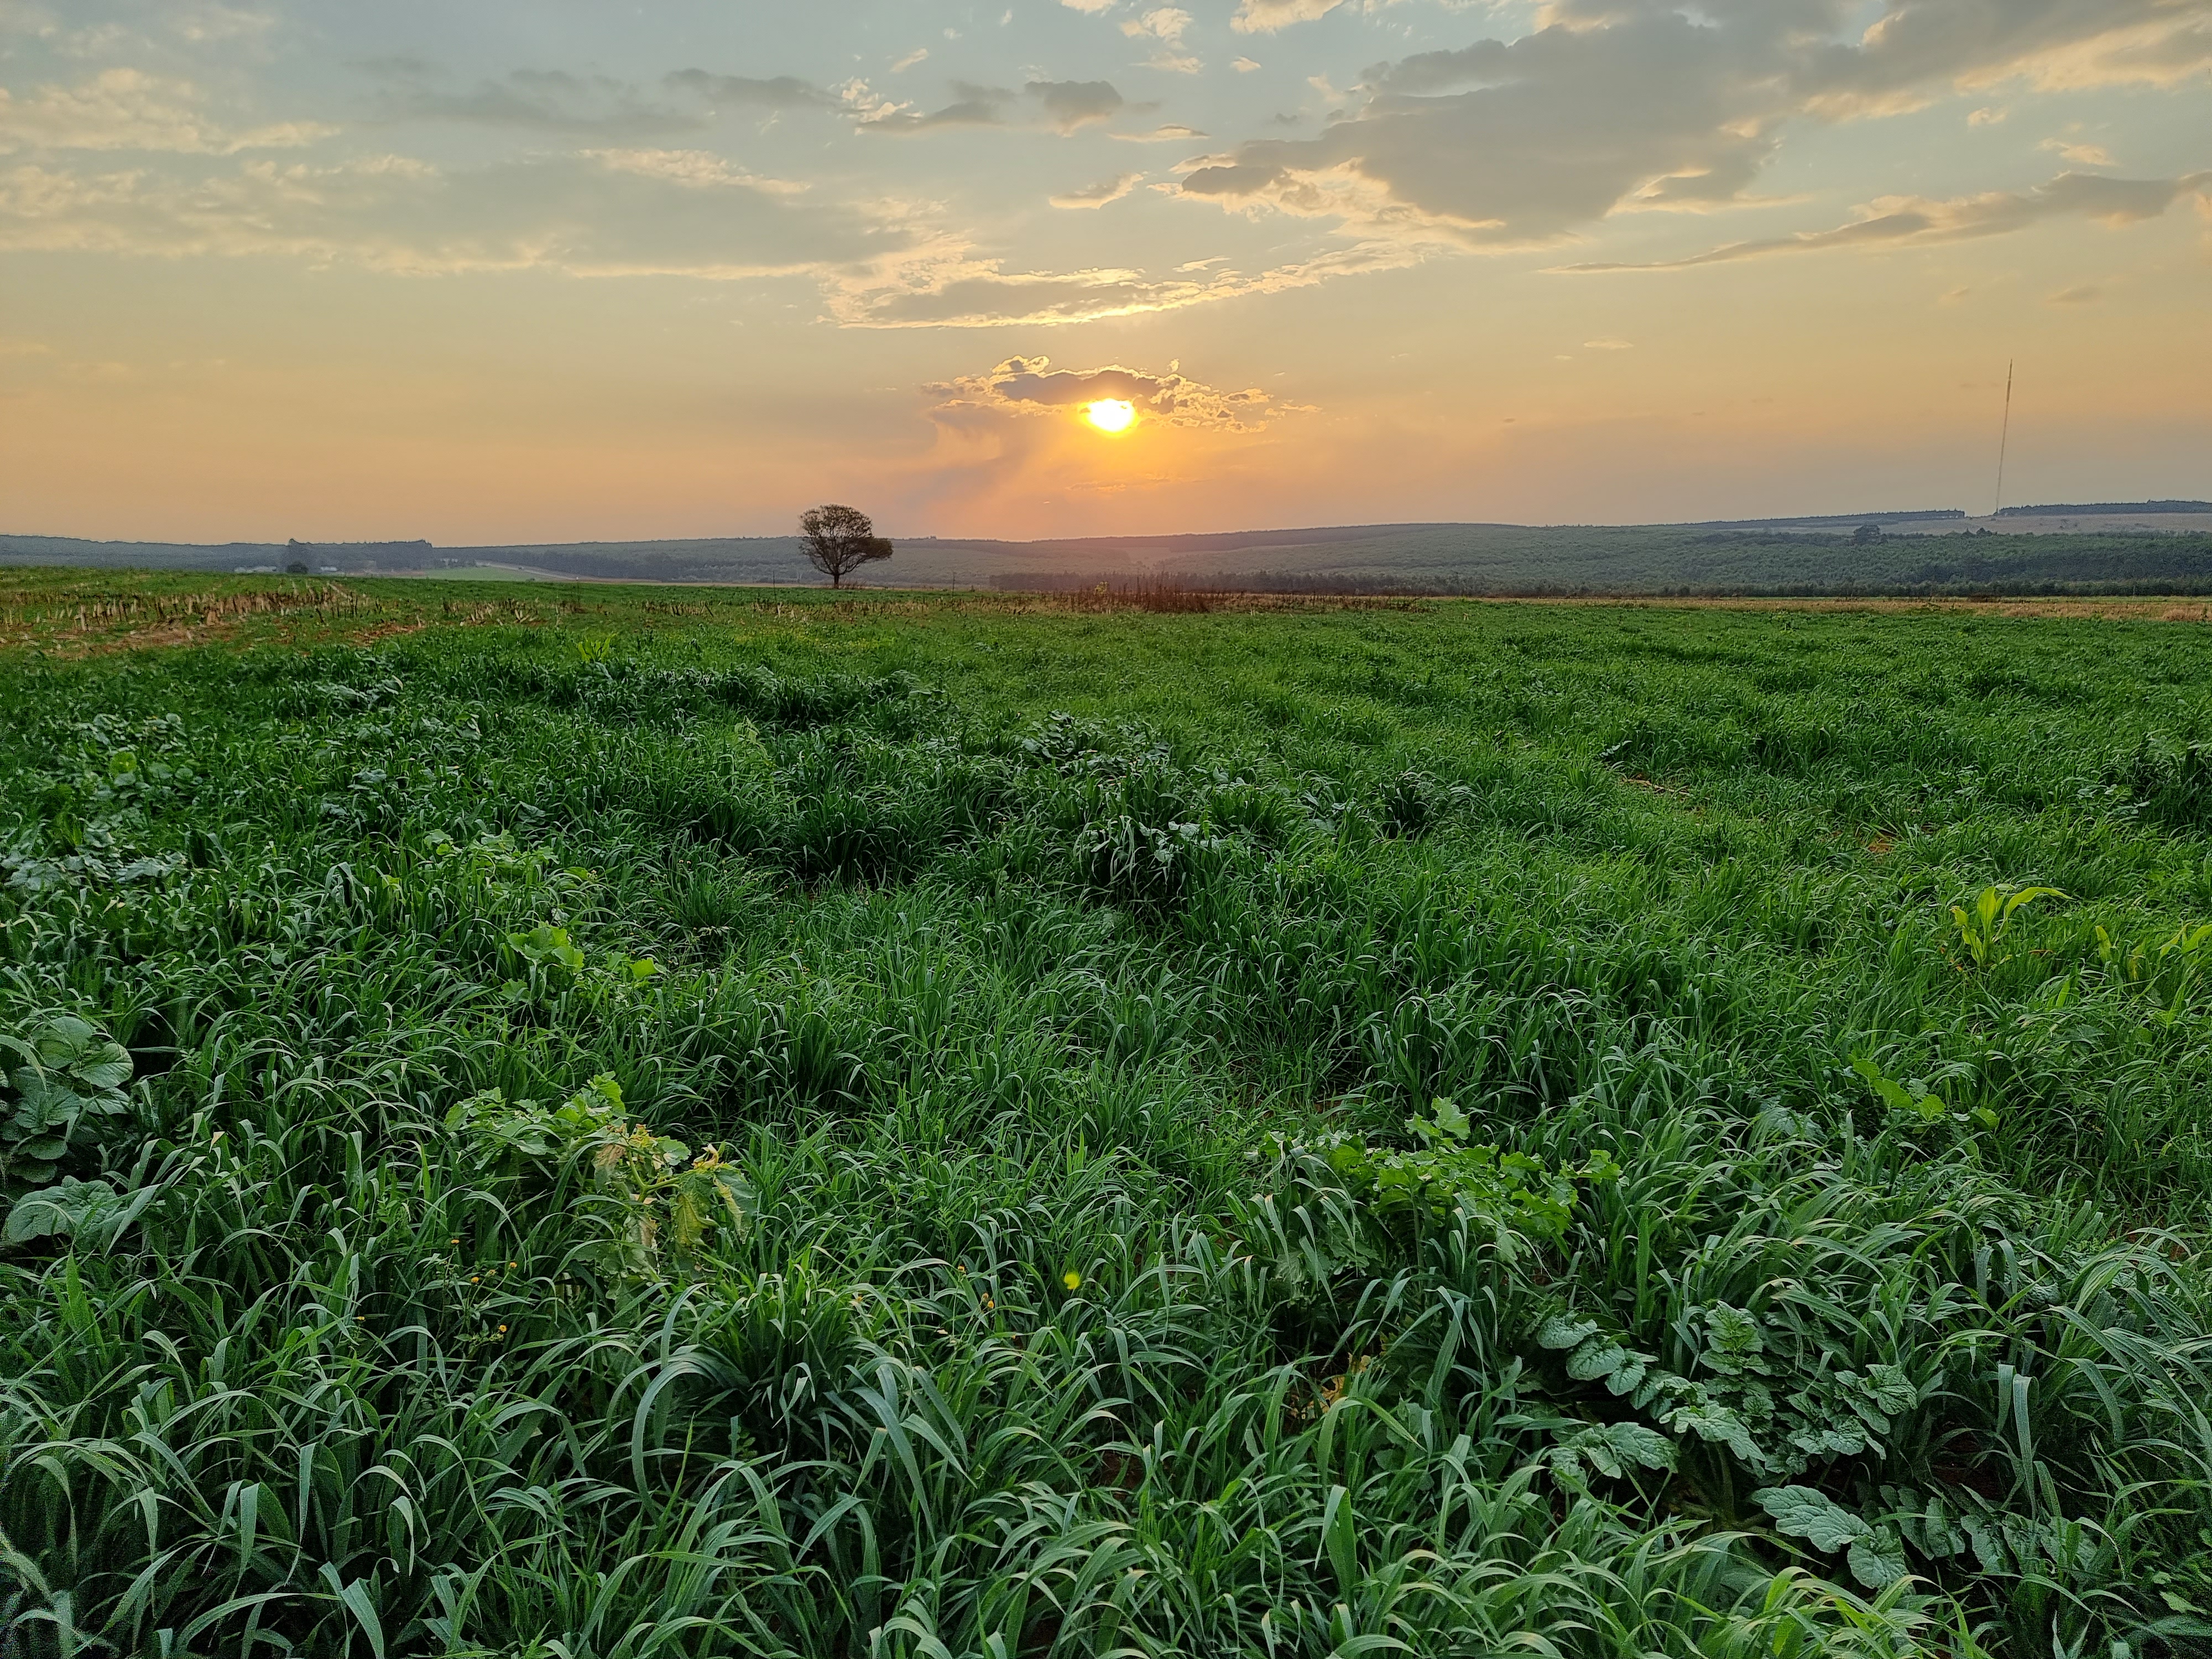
510 273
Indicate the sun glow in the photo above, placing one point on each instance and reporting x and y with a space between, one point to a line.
1110 414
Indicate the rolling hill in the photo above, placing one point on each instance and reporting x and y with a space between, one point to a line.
2107 548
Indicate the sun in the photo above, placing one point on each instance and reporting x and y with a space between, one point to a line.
1110 414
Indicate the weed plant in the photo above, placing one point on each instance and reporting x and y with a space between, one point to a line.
934 1130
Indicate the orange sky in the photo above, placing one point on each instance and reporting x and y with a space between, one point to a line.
541 273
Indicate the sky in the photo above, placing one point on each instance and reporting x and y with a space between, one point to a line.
508 270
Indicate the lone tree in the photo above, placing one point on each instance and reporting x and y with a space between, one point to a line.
839 540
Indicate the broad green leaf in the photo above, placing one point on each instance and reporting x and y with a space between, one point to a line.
1710 1420
1561 1332
1612 1448
108 1066
1595 1359
1802 1512
62 1041
1877 1560
73 1207
1890 1389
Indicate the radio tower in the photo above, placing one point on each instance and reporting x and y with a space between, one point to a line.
2004 436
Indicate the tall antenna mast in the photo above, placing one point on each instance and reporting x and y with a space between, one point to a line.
2005 437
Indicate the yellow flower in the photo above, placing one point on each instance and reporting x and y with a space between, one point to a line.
1073 1280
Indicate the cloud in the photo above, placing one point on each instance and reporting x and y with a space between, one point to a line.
1030 386
1064 105
2082 294
1616 105
1163 25
586 106
603 213
597 214
127 109
2080 155
1266 17
1920 46
549 100
775 92
201 24
961 292
1914 220
1098 195
602 107
1243 65
972 107
1070 104
1609 346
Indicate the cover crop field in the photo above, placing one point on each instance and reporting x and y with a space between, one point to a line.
931 1126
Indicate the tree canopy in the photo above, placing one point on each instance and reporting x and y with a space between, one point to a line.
838 540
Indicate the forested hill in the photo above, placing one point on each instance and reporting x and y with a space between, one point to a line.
1878 553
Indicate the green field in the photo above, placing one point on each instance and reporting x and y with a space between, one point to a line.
602 1122
482 572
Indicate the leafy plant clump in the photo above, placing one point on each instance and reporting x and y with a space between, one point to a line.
668 1207
1982 923
1511 1197
63 1098
63 1110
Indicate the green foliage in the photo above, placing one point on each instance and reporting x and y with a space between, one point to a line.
1510 1196
1734 1391
2170 783
1982 923
981 1236
1144 864
1914 1101
1610 1449
63 1098
668 1207
1876 1556
2167 972
546 946
1414 802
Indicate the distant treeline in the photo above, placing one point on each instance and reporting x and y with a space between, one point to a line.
750 560
1844 520
1301 582
418 549
2076 509
1777 567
